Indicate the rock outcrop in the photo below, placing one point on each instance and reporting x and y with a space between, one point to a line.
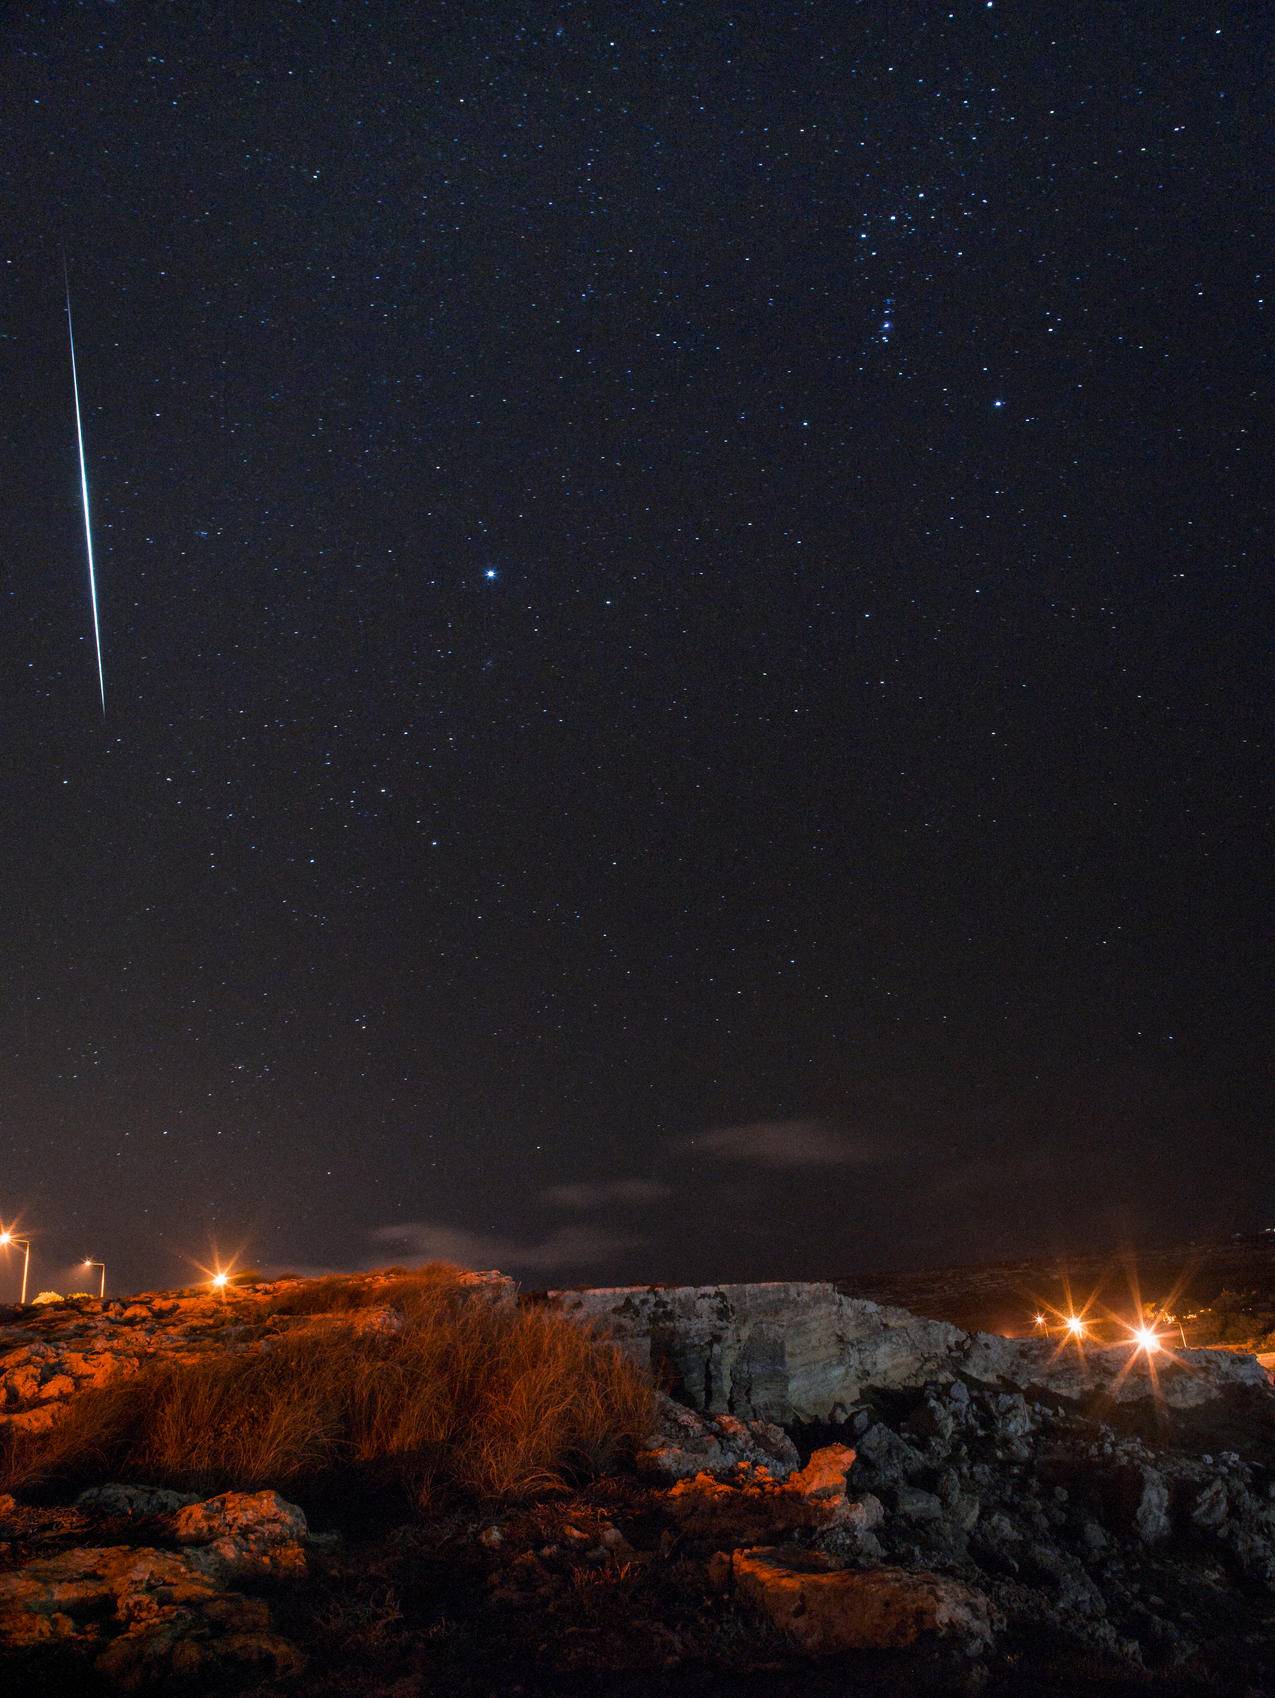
685 1443
825 1607
791 1352
152 1617
246 1535
749 1506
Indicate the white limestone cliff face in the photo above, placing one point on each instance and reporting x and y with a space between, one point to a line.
793 1351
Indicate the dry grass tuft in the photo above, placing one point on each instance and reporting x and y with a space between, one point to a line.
465 1397
335 1294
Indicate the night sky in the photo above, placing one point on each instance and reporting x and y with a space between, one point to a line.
682 615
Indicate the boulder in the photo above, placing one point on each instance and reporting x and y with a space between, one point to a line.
821 1484
114 1499
883 1449
750 1505
257 1534
825 1608
913 1504
1210 1507
1139 1499
934 1419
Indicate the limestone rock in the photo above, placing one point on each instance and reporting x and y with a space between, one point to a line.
115 1499
1140 1501
793 1352
826 1609
784 1351
229 1634
821 1484
750 1504
150 1616
913 1504
257 1534
1209 1510
686 1443
882 1455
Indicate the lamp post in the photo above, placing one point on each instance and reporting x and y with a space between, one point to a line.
7 1238
101 1290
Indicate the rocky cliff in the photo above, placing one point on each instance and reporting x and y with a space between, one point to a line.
806 1352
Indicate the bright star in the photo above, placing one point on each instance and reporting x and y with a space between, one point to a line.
998 403
491 573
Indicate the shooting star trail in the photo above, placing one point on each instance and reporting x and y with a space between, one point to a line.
84 492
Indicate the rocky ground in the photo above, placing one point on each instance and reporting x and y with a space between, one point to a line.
965 1534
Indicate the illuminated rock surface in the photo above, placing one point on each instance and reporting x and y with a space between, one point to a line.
799 1352
825 1608
147 1615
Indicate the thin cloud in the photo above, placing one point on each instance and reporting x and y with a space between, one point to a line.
599 1194
785 1144
565 1246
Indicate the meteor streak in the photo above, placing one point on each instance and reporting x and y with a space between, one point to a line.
84 492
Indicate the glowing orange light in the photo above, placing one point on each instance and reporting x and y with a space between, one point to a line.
1075 1326
1040 1320
219 1281
1147 1339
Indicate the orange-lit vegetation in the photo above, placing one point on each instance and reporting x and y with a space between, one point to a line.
456 1395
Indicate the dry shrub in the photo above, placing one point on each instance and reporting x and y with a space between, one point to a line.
466 1397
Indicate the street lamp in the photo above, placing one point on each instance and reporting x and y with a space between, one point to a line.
90 1263
1075 1326
7 1238
219 1281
